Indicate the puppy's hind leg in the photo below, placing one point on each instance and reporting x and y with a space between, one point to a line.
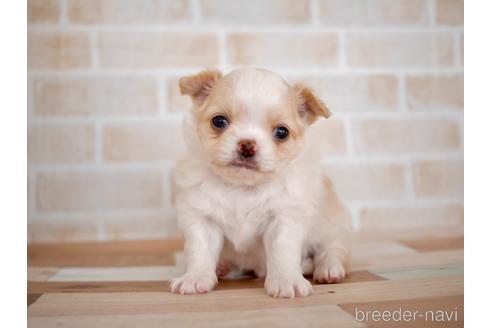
331 263
332 254
333 250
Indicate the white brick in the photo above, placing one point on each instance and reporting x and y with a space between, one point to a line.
355 92
145 50
450 12
58 50
380 136
43 11
364 182
98 190
55 143
128 11
306 50
374 12
435 92
143 141
409 49
379 219
255 11
98 96
439 178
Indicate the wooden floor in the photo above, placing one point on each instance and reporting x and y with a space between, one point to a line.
125 284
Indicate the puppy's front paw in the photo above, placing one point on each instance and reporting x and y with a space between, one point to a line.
191 283
288 286
329 273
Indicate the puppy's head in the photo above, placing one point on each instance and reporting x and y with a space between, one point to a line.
249 123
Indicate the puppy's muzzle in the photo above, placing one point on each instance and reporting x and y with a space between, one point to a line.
246 148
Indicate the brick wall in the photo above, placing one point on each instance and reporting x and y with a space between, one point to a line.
104 107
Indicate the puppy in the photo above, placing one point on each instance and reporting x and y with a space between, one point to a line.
249 194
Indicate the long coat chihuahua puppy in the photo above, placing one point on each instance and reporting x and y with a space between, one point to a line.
249 195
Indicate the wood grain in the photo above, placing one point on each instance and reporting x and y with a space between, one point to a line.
61 304
114 254
155 286
435 244
31 298
125 284
315 316
408 260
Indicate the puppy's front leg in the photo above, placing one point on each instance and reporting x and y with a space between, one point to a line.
283 242
203 242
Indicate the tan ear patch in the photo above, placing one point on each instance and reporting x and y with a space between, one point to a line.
199 86
310 107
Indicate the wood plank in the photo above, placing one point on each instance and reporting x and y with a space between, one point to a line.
67 304
31 298
242 283
40 273
379 248
125 286
106 254
156 286
84 291
430 232
361 276
315 316
409 260
424 312
163 273
421 271
435 244
96 286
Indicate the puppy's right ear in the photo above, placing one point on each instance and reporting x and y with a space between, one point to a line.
199 86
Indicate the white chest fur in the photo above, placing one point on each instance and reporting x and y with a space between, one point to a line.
242 213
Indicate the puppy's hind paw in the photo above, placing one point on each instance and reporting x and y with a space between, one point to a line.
329 273
288 287
193 284
223 268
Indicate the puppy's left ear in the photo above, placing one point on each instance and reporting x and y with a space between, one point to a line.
199 86
309 106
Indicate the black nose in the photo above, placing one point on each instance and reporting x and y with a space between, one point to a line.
246 148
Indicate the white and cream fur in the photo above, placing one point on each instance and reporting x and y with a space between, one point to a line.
280 220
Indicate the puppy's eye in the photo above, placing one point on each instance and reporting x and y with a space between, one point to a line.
220 122
281 133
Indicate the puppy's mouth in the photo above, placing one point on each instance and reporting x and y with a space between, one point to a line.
245 164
